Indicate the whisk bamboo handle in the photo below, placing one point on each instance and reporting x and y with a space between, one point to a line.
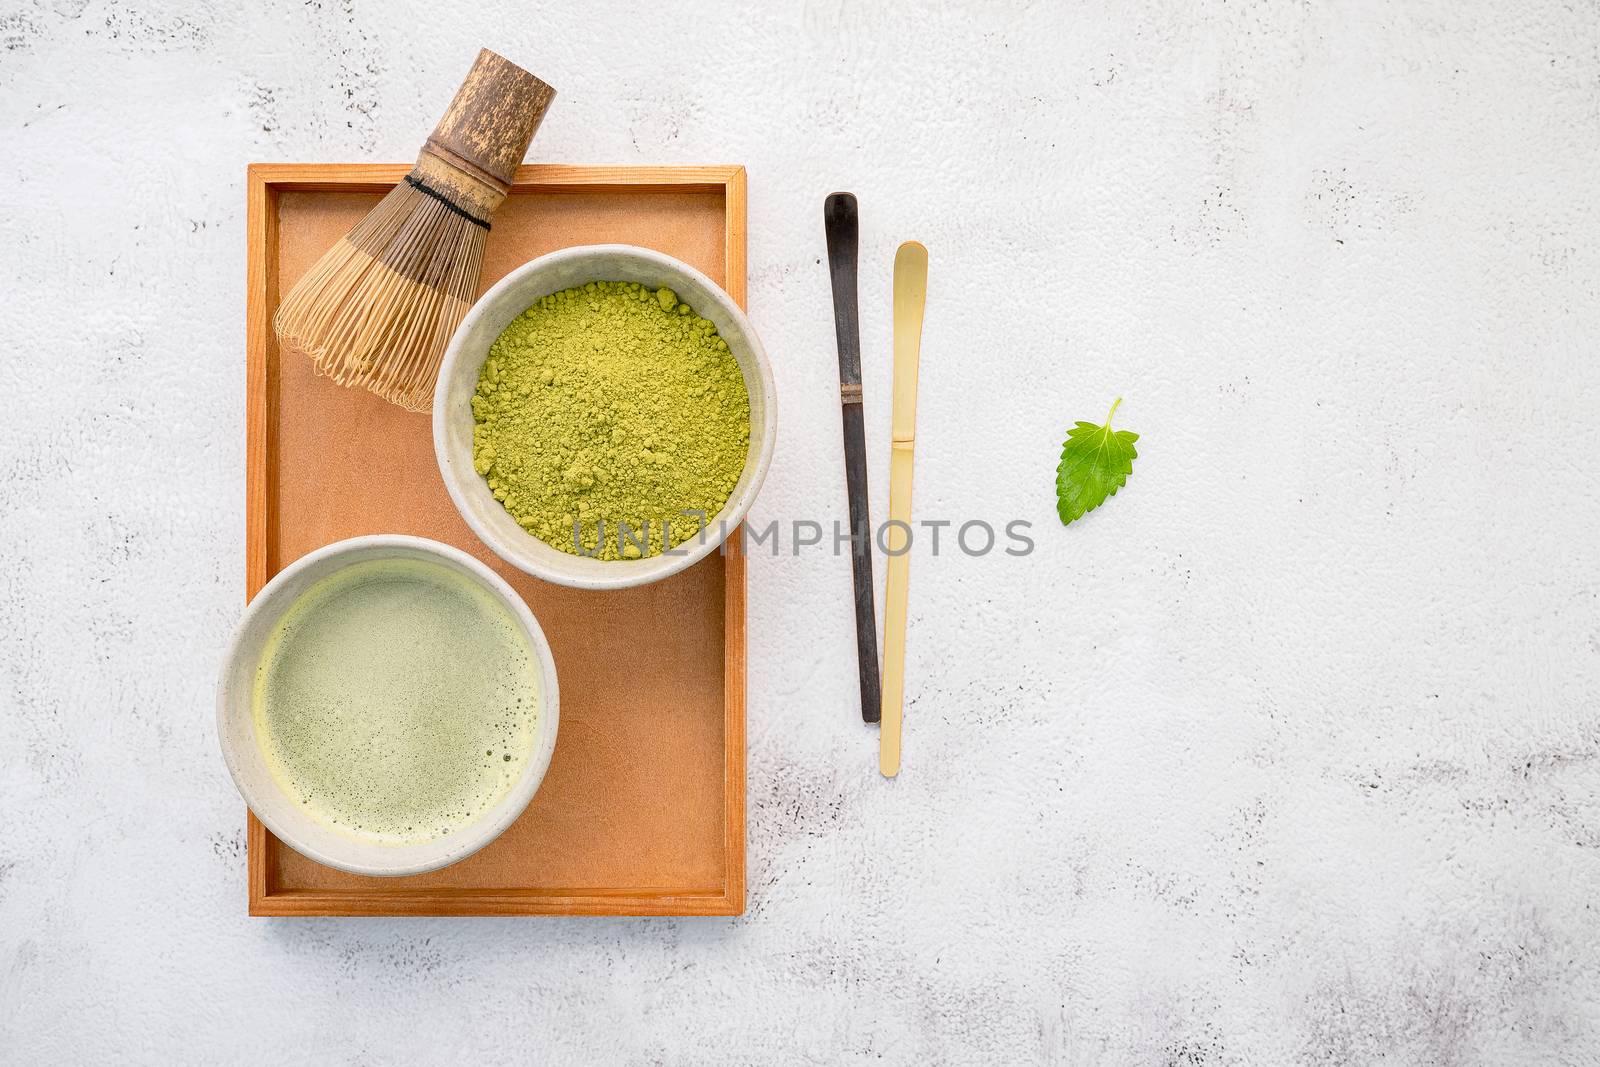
486 131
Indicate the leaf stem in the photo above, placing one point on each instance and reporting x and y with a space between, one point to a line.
1112 412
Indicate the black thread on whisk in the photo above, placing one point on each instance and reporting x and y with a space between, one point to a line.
428 190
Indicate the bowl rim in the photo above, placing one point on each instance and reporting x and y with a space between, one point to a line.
484 830
625 574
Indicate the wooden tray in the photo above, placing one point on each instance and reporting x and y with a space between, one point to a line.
642 811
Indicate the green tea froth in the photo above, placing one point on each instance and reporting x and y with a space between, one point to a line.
397 700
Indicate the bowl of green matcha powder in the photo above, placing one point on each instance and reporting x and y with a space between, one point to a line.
604 417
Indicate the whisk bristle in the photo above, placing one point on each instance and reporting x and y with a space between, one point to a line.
379 307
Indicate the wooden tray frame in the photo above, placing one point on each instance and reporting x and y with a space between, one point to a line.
265 181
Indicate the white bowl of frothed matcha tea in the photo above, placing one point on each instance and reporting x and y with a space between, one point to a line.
388 705
604 416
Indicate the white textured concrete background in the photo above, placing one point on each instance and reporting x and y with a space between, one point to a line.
1288 755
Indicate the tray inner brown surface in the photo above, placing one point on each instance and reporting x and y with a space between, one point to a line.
634 800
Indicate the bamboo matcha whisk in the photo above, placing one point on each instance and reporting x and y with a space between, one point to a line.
378 309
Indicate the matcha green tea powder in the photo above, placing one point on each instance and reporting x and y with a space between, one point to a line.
611 403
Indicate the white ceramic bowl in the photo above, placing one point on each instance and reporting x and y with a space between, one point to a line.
458 379
247 764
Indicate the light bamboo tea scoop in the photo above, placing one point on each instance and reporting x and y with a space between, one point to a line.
910 294
379 308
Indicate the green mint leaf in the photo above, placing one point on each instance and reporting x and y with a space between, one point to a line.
1095 463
